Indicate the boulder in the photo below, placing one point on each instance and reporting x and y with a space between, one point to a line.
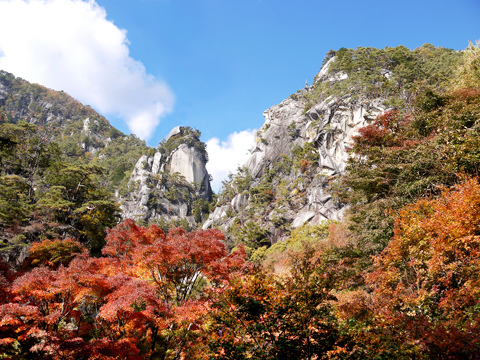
302 217
239 202
156 163
208 224
318 219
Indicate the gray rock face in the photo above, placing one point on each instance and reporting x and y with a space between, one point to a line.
137 206
239 202
218 214
302 217
188 161
156 163
328 127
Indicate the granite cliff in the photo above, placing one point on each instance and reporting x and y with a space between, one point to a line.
298 155
171 185
295 160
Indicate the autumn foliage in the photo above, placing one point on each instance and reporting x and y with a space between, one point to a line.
427 280
182 296
265 316
144 299
382 132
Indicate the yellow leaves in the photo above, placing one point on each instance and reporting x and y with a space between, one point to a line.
356 304
54 253
468 74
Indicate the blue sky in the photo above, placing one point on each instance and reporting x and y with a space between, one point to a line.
228 61
216 65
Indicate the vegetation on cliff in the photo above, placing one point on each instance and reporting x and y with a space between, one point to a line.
404 156
83 136
395 74
188 136
410 83
158 191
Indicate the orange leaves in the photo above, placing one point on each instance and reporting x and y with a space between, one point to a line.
131 298
54 253
176 262
38 285
16 322
435 238
430 270
262 316
357 304
125 237
17 314
106 349
304 165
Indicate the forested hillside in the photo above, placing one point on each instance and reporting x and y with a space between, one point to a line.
385 141
82 135
60 163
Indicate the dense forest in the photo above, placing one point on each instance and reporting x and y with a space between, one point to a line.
397 278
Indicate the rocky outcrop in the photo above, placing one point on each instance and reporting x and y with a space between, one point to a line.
175 133
296 157
137 204
165 186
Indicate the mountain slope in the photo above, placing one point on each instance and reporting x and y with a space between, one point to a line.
82 134
303 147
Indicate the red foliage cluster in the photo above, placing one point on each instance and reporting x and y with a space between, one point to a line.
383 132
144 299
148 298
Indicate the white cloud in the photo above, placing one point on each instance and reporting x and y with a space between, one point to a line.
226 156
70 45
